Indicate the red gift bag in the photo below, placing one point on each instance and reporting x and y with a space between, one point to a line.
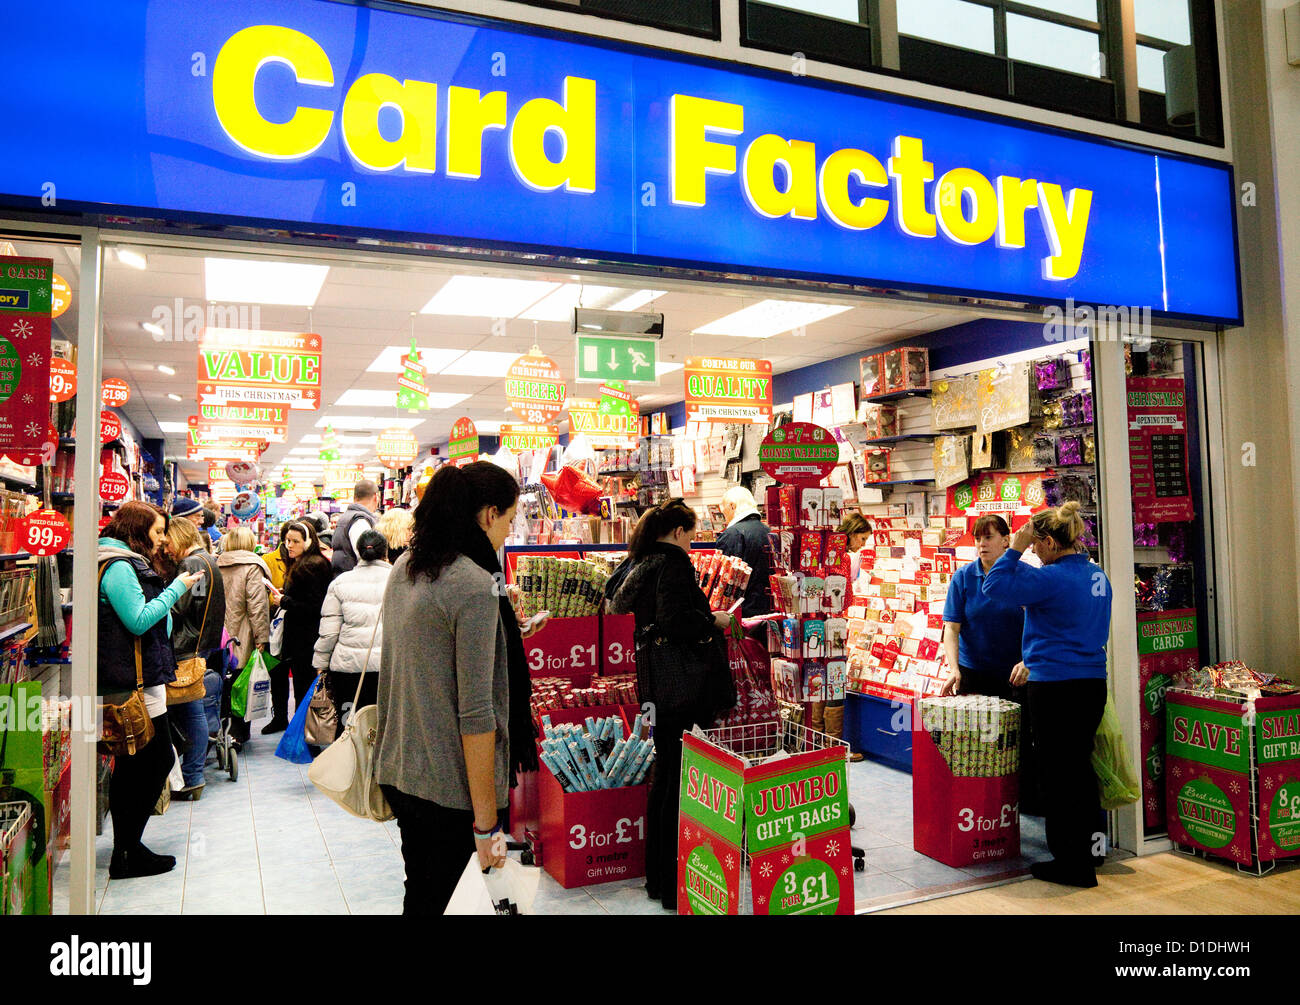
755 700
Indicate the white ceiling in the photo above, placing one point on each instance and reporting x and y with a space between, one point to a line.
364 308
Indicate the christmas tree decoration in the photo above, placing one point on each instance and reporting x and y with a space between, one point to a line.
413 393
329 448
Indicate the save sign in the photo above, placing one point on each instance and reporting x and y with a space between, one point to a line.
260 368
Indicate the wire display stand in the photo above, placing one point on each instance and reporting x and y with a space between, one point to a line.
15 821
1258 867
784 849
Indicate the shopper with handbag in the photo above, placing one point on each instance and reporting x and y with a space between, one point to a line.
305 583
349 620
243 574
135 664
681 665
443 748
197 620
1067 621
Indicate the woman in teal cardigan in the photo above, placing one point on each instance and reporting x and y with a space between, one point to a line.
1067 622
135 618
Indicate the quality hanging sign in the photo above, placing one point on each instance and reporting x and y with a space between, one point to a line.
723 389
260 368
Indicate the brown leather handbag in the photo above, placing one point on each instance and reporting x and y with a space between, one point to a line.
188 685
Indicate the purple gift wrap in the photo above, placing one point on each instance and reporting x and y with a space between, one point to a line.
1069 449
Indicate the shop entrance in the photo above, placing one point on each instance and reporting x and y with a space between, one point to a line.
469 324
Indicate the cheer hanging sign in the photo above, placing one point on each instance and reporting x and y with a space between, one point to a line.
535 388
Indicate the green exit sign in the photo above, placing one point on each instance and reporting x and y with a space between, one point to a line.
609 357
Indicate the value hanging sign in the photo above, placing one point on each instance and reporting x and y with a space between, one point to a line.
1157 449
611 421
260 368
722 389
25 386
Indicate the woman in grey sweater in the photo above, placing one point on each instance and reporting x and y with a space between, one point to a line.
443 757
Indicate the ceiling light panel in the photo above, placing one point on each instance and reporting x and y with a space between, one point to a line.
481 363
558 306
285 284
770 317
433 359
486 297
635 301
174 427
368 421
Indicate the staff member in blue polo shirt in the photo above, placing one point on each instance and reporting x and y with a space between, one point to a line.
1067 621
981 635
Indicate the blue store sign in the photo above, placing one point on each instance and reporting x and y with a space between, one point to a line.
327 116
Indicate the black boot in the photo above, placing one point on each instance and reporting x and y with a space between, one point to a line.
276 725
138 863
1058 872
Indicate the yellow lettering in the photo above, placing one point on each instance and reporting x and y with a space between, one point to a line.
950 206
910 171
417 103
833 186
799 199
233 77
694 155
575 122
1015 195
1066 225
469 113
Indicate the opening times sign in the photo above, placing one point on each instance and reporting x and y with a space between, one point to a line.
722 389
260 368
1157 449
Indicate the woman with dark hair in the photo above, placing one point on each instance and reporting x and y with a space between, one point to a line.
135 647
443 750
1067 622
306 581
677 660
349 627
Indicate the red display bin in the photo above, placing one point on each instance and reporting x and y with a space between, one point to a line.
592 837
566 647
959 821
618 642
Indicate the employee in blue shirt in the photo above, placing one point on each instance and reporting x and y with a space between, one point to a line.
1067 621
981 635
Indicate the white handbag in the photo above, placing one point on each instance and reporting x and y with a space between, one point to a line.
345 770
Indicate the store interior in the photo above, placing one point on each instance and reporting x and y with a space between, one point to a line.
269 842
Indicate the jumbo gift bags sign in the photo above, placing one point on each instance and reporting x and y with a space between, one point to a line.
1277 747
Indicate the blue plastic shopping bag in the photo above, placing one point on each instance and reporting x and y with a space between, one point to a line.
293 744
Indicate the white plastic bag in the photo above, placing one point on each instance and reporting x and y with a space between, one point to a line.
259 693
508 890
277 633
176 777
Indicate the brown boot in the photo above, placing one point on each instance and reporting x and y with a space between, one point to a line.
816 716
834 717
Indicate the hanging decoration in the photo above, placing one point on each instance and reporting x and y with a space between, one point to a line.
329 448
413 392
463 446
114 392
535 388
397 448
259 368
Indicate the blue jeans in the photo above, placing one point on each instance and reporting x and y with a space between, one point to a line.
193 722
212 700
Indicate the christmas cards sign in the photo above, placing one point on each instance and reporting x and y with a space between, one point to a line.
24 352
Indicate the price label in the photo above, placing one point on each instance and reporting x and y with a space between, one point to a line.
114 392
113 487
60 295
110 427
44 532
63 380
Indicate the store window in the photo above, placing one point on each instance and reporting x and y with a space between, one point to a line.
1178 77
1048 54
837 31
1173 539
39 353
694 17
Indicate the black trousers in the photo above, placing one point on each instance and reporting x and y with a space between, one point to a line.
137 782
997 684
437 841
280 689
661 810
1066 715
342 688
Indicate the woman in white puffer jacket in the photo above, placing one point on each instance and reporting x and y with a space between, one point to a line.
349 621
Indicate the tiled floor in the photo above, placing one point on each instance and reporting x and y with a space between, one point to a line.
271 844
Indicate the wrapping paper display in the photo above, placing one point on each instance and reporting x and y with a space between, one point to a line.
978 736
594 754
954 402
567 587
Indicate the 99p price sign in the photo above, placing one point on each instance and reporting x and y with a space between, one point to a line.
44 532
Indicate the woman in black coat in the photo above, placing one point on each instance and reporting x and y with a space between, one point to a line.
674 629
305 584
